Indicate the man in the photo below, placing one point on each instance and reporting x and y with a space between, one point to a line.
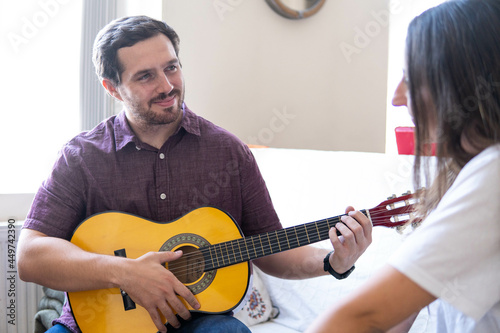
157 160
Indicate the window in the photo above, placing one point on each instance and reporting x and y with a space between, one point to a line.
40 65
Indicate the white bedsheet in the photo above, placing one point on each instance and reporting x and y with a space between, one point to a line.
308 185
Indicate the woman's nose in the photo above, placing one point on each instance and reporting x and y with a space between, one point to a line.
400 95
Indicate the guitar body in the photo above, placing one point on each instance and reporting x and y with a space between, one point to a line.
218 291
215 264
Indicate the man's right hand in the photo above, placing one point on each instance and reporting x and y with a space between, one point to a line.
56 263
155 288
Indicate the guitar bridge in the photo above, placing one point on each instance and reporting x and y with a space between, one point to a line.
128 303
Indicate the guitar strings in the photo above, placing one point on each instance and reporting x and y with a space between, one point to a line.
222 257
375 221
291 243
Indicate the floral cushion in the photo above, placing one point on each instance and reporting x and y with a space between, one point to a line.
258 307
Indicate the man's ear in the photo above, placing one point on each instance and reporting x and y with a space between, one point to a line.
111 89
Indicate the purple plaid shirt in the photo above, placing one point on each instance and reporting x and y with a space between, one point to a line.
109 168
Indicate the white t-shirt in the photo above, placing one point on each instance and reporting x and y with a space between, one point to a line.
455 254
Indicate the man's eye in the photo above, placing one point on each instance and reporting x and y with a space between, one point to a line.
144 77
172 68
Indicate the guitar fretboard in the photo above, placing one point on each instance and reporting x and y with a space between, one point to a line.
257 246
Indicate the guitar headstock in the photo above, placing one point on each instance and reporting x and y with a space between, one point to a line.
395 211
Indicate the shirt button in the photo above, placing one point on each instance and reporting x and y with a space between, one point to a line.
163 196
137 147
162 156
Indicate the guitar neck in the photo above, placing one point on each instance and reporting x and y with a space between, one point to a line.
257 246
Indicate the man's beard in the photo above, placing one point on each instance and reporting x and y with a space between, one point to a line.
167 116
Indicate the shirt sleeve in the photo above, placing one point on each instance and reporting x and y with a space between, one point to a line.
258 213
58 206
455 254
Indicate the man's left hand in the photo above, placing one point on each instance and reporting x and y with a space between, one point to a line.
356 236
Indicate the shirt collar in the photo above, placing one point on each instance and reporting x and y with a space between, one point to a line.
125 135
190 121
123 132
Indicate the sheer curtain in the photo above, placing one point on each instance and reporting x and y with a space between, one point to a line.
95 103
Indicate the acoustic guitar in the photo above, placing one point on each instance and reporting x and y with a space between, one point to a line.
215 265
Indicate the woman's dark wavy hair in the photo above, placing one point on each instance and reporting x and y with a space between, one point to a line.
453 73
125 32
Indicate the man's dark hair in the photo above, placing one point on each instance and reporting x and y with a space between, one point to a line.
125 32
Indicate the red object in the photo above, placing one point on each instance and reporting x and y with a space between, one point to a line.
405 139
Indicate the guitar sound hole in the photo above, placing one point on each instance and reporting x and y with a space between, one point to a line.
188 268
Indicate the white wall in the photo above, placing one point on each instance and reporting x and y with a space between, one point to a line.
287 83
152 8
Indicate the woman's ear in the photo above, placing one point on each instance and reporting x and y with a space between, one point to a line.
111 89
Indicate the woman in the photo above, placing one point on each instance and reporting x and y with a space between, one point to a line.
451 86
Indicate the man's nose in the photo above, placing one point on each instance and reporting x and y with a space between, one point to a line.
164 84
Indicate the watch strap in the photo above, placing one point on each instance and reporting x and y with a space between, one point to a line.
328 268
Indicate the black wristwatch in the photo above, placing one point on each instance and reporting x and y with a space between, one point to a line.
328 268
